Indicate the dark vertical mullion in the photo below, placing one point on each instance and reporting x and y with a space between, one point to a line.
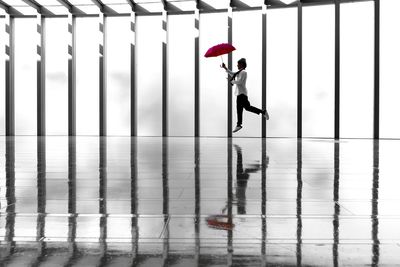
299 68
165 74
337 69
196 74
229 129
133 76
10 76
377 69
71 75
102 76
264 70
41 72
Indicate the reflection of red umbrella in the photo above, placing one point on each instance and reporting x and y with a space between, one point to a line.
219 222
219 49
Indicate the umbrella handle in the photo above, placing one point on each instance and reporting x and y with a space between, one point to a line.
222 60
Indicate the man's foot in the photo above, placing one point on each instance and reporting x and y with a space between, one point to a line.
237 128
265 114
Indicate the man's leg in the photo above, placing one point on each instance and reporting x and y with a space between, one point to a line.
249 107
239 109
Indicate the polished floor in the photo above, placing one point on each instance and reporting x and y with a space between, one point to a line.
149 201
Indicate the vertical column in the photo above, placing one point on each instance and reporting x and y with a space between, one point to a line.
133 76
71 75
164 74
41 72
377 69
229 130
299 69
196 73
10 75
337 69
264 70
102 76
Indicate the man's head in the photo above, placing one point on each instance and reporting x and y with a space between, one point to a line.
241 64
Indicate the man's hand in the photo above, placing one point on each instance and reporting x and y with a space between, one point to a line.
223 66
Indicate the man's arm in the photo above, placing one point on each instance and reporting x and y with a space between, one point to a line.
241 78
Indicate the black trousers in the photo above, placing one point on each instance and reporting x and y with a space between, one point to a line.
242 102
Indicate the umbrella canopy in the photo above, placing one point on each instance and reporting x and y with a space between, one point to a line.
219 49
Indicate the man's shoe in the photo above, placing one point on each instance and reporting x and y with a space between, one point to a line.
237 128
265 114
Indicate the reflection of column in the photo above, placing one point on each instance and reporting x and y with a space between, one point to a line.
103 198
165 199
264 164
10 75
337 206
197 211
10 195
71 199
375 197
41 204
134 202
230 198
299 201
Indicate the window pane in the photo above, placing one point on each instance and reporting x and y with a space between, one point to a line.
318 71
282 72
25 76
87 76
2 78
181 75
213 84
118 76
248 45
356 69
149 75
390 64
57 76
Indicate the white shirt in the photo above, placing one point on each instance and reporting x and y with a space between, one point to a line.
240 82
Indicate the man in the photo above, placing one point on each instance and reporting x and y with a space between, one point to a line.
239 78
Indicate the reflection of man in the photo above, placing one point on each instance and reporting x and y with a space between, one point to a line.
242 176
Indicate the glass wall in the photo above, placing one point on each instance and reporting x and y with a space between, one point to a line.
149 75
87 76
118 76
181 75
282 72
213 83
2 78
25 76
390 64
356 70
249 45
57 76
318 71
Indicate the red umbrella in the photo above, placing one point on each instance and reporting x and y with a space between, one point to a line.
219 49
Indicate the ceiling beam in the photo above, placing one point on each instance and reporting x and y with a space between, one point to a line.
132 4
40 9
165 5
4 6
104 8
71 8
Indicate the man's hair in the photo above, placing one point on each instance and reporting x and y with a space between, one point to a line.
242 62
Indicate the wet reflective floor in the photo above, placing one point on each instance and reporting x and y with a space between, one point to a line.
121 201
